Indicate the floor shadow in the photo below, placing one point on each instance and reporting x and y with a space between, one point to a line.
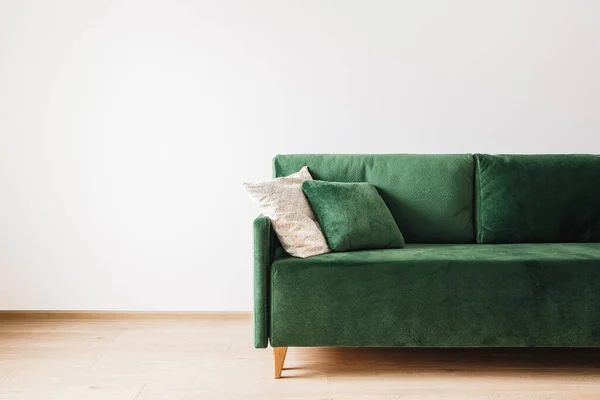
478 362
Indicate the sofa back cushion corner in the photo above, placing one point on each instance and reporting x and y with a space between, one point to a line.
537 198
430 196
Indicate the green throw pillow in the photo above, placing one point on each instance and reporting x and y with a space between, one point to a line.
353 216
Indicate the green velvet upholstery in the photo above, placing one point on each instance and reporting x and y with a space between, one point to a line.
440 295
537 198
353 216
535 280
429 195
265 243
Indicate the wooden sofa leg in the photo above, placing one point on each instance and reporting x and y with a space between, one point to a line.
279 357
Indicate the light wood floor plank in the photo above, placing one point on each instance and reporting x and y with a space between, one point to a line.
66 357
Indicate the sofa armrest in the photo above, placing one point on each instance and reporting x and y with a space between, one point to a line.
265 242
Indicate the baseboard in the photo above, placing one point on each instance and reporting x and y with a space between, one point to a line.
94 314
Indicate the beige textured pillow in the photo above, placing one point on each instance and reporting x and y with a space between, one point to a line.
282 200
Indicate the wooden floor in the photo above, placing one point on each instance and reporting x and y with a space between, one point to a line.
212 358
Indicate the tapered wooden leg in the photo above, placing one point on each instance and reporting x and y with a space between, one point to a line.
279 357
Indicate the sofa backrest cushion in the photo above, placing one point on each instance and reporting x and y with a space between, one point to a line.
537 198
429 195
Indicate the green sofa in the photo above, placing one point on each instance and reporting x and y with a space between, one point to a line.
501 251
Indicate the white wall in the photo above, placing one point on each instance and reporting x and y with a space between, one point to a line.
127 127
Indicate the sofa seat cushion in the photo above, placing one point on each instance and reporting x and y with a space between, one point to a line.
440 295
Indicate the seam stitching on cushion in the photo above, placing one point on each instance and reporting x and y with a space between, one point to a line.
478 186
